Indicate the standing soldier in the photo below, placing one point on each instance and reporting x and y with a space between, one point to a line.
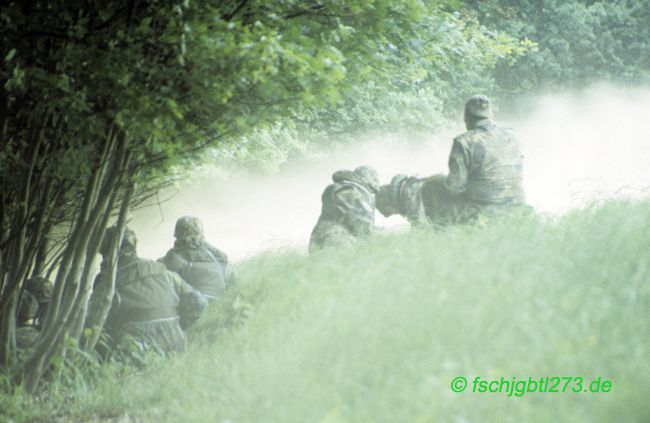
200 264
348 208
150 303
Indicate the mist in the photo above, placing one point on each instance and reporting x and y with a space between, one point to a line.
578 148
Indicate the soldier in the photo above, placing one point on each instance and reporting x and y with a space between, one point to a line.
419 200
403 196
485 164
151 305
35 300
348 208
200 264
31 312
485 174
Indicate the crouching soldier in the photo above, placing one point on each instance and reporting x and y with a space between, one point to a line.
151 305
348 208
31 312
420 200
200 264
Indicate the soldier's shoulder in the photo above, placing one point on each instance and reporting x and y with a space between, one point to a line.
218 254
465 138
414 180
471 136
146 266
509 132
328 190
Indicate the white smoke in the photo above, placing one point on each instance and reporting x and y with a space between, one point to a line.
577 147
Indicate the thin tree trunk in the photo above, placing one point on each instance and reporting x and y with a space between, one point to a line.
72 284
8 333
103 298
41 257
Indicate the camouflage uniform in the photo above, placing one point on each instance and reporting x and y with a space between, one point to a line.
403 196
485 164
485 175
348 208
200 264
31 311
151 304
419 200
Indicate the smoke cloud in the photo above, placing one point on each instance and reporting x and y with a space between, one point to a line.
578 147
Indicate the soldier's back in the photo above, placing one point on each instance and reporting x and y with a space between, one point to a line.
145 310
495 173
204 268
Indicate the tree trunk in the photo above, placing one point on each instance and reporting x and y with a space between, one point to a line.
8 333
102 298
66 312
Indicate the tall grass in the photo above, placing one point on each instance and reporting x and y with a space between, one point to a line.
377 333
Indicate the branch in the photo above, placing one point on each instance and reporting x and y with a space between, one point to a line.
232 14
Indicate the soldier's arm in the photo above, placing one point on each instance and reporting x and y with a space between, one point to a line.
230 277
411 201
192 302
222 258
219 255
175 262
456 181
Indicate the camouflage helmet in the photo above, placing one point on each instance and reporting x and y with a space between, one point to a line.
188 227
368 177
40 287
129 241
478 106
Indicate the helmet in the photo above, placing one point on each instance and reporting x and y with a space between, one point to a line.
40 287
478 106
369 177
188 227
129 241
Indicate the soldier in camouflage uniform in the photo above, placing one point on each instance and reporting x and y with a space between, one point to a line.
200 264
485 175
151 305
419 200
403 196
485 164
348 208
31 311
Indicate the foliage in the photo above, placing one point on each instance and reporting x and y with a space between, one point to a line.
419 77
377 332
101 103
580 42
100 100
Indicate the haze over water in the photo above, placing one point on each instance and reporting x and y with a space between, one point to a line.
577 147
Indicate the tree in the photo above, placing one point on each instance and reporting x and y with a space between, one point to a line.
99 100
580 42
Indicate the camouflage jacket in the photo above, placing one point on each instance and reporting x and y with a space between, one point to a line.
348 203
407 196
145 291
485 166
204 267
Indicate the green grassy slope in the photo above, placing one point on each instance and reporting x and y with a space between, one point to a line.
377 333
